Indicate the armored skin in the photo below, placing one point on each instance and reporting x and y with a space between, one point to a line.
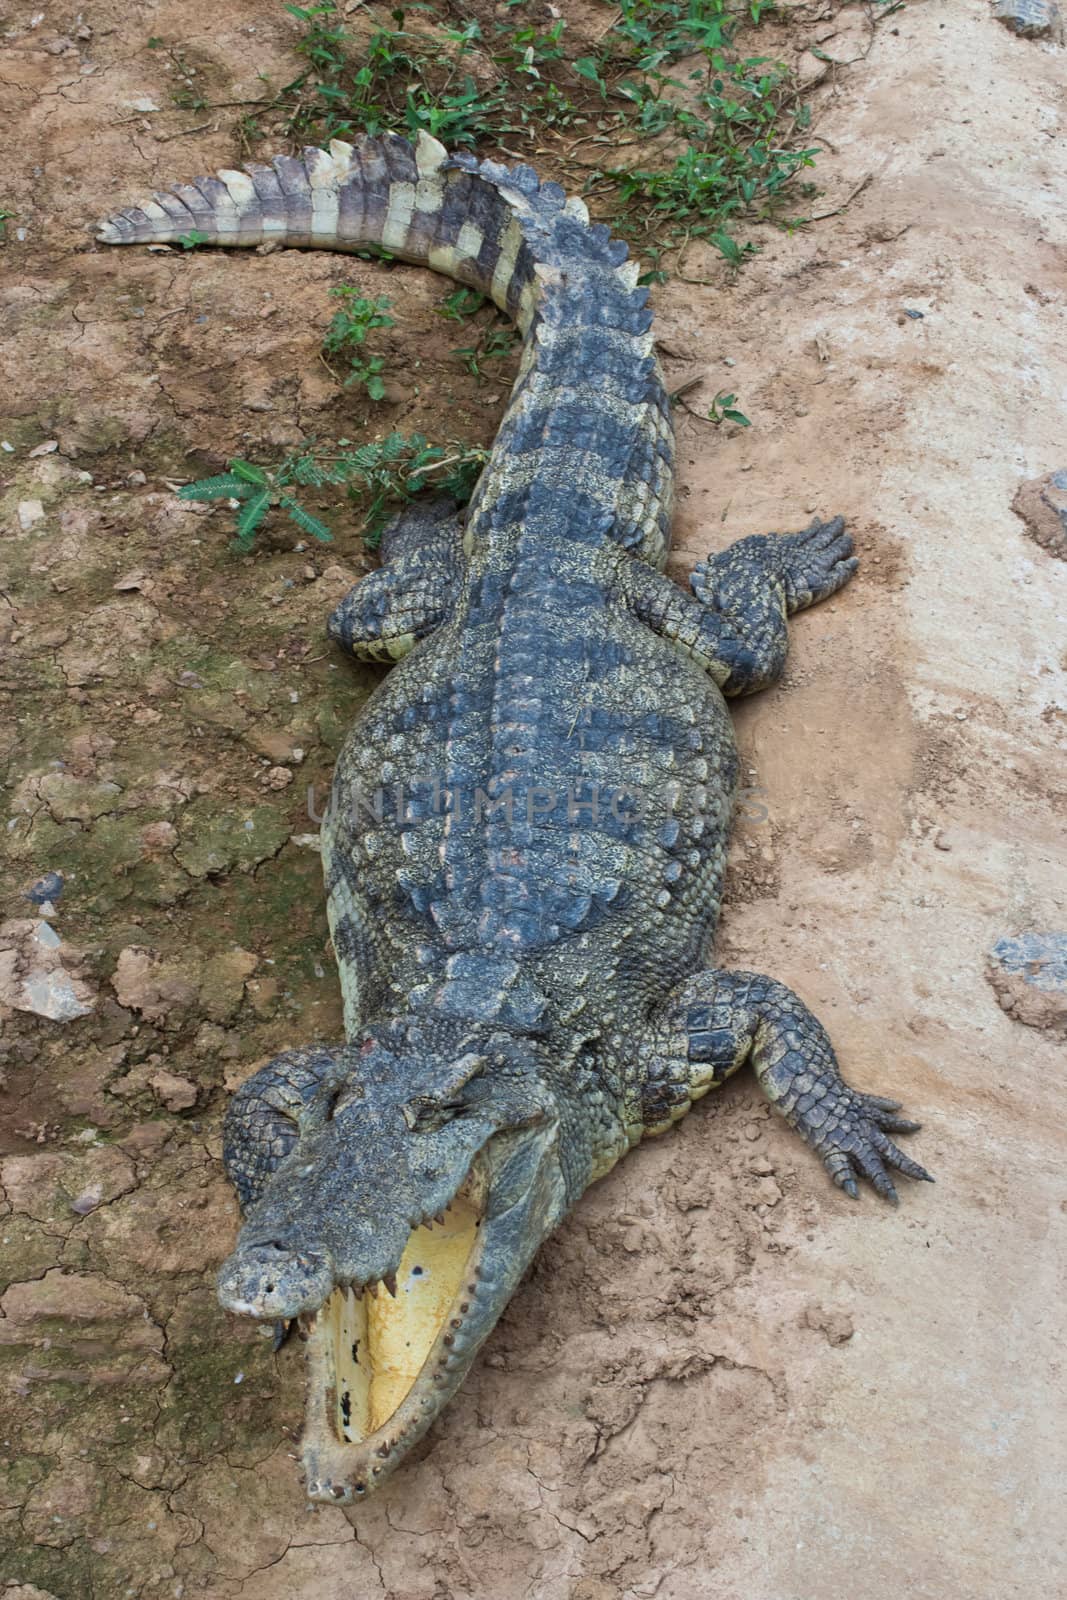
525 843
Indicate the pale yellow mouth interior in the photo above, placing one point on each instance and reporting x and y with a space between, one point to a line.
380 1342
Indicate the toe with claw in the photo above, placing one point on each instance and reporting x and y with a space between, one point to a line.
816 563
850 1133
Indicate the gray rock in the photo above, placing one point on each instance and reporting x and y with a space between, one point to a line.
1042 505
50 888
1031 19
1028 974
39 973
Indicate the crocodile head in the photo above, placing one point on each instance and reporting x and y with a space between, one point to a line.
397 1232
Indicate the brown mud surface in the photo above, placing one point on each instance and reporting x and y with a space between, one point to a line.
722 1380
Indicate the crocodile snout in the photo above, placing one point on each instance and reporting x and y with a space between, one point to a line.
273 1279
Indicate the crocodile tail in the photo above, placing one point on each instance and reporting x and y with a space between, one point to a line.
498 229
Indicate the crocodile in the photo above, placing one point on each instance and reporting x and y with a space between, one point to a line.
525 842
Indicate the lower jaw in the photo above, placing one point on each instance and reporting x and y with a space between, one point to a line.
382 1365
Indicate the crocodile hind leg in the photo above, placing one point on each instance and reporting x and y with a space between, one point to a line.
412 592
736 624
716 1021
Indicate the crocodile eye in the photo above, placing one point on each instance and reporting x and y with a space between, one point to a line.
425 1115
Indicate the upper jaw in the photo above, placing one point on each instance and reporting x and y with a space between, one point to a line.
249 1292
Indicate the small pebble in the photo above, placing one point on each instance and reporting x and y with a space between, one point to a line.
30 512
87 1201
47 888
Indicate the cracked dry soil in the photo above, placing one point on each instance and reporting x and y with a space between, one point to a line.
721 1381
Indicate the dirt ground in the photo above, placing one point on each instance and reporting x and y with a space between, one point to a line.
722 1380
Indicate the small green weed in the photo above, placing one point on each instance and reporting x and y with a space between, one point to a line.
189 96
401 467
460 304
724 409
496 342
420 75
377 476
347 333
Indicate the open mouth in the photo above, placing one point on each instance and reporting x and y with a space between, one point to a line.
379 1356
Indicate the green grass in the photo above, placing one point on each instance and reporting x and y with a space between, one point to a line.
512 82
740 118
412 77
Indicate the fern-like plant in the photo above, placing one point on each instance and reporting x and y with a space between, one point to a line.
256 490
376 475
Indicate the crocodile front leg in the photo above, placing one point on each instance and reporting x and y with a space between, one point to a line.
735 626
412 592
716 1021
288 1097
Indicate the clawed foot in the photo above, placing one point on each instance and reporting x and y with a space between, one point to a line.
848 1129
815 563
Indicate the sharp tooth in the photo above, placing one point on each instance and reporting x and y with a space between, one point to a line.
439 1216
390 1283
